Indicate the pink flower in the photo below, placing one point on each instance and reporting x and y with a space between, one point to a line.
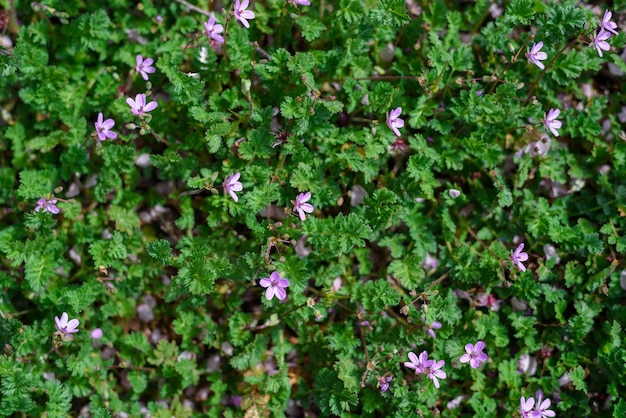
541 409
302 3
518 256
301 207
64 326
139 106
418 364
433 371
213 30
103 128
474 354
551 122
607 24
394 122
535 55
241 14
600 41
47 206
232 185
144 67
96 333
275 286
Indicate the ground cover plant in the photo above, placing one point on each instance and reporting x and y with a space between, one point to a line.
312 208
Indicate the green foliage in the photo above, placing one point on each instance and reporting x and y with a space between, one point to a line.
151 246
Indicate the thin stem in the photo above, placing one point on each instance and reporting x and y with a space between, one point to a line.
194 8
547 67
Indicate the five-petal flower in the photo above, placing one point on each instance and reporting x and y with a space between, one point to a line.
433 371
139 106
394 122
535 55
474 354
418 363
103 128
47 205
518 256
551 122
214 30
232 185
600 41
241 14
300 205
275 286
64 325
144 66
541 409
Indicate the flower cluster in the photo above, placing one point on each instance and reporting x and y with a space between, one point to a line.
432 368
423 365
607 28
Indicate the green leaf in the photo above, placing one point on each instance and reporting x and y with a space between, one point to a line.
388 13
311 28
337 235
161 251
578 376
378 294
519 12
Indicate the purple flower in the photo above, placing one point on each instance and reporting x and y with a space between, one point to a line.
433 371
418 364
302 3
300 205
213 30
275 286
394 122
139 106
241 14
96 333
535 55
232 185
607 24
431 330
103 128
474 354
541 407
518 256
600 41
384 383
47 206
144 67
64 326
551 122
